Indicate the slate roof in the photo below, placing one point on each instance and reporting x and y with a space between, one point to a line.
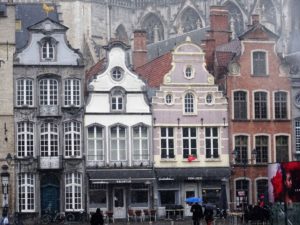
162 47
30 14
226 52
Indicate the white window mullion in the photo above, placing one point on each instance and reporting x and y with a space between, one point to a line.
72 93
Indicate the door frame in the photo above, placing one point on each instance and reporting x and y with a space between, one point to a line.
119 212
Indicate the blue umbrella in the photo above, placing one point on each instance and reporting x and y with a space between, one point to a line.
193 200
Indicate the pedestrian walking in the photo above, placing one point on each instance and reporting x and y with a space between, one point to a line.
196 209
97 218
209 214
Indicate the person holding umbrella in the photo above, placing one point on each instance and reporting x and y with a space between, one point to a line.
196 209
209 214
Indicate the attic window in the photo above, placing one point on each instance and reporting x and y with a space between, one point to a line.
48 49
259 63
117 73
189 72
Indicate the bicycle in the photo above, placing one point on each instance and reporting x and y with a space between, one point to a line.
55 217
16 220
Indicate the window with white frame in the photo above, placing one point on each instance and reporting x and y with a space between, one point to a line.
118 142
280 105
95 143
26 183
297 135
282 148
240 105
72 92
211 142
25 132
49 140
259 63
48 47
188 73
117 73
72 132
117 100
167 142
48 92
241 148
260 105
261 188
140 143
261 146
169 99
189 140
24 92
209 98
73 192
189 103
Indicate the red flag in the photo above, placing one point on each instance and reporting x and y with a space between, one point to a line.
191 158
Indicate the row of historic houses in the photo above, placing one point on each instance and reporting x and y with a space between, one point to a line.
120 138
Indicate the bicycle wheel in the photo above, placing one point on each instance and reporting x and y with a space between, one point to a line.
70 217
45 219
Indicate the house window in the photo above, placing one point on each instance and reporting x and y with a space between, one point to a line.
72 92
167 142
48 49
168 197
49 140
26 183
117 100
280 105
72 138
118 143
117 73
24 92
189 139
95 142
48 92
261 188
242 186
211 142
282 148
209 98
241 148
260 105
261 146
73 192
259 63
139 194
25 139
188 72
189 103
240 105
297 135
169 99
98 195
140 143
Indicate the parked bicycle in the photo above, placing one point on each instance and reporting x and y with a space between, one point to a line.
17 220
80 216
53 217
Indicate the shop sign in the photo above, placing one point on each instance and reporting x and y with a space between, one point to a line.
194 178
241 193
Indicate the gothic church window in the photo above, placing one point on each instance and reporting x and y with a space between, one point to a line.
121 34
24 92
190 20
237 16
154 28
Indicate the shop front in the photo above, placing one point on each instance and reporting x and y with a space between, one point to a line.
118 190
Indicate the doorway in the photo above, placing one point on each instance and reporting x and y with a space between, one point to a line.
50 196
119 206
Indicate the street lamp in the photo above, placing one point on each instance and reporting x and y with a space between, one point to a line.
243 160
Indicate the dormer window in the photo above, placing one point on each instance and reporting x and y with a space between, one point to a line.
48 47
117 73
189 72
259 63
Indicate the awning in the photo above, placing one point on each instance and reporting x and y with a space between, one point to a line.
120 175
215 173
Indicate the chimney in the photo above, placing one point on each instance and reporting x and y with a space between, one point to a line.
255 19
218 34
139 54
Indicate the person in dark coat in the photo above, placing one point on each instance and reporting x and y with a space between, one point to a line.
208 214
97 218
196 209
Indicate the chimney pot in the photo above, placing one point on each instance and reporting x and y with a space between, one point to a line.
255 19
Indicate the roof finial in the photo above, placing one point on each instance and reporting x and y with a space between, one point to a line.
47 9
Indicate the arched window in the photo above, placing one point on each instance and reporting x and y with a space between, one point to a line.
48 92
121 34
140 143
26 184
48 49
95 143
118 143
260 105
241 148
280 105
25 137
237 17
117 100
262 148
49 140
189 103
73 191
190 20
154 28
72 132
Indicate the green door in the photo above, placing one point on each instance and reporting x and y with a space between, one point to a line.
49 194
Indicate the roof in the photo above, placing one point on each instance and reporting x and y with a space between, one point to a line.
95 69
30 14
258 31
162 47
153 72
225 52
